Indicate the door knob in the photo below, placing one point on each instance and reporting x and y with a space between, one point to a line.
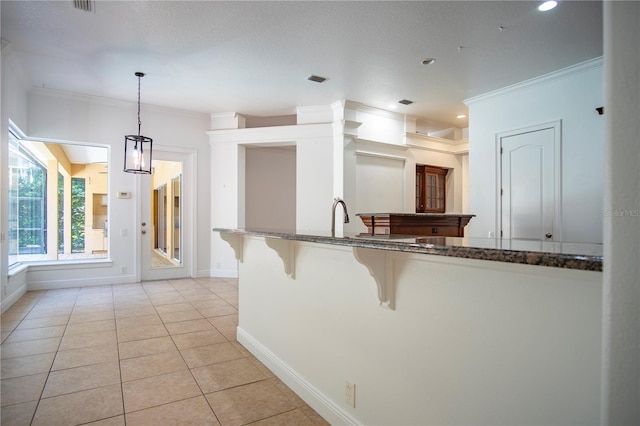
548 235
144 231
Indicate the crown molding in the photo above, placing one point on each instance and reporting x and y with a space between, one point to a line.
543 79
60 94
435 144
358 107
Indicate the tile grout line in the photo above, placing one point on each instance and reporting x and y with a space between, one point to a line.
189 298
35 411
58 351
265 379
189 368
119 368
115 323
23 317
9 335
244 357
124 412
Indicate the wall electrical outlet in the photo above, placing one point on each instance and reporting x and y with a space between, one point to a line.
350 393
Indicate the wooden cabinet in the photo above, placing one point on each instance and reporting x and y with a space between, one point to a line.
430 189
429 224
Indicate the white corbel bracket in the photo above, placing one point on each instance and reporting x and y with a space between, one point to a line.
286 251
235 241
380 266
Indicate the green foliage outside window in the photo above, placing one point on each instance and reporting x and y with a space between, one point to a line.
28 209
77 214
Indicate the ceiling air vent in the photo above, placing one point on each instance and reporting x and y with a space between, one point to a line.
405 102
86 5
316 78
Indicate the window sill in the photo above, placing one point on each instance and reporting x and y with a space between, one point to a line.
69 264
17 269
23 267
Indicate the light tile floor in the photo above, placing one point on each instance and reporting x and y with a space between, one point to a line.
155 353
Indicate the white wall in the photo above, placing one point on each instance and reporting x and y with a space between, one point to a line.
477 342
570 95
381 151
380 184
270 188
315 180
364 155
381 178
65 117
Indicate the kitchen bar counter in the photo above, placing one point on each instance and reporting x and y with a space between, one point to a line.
587 257
431 322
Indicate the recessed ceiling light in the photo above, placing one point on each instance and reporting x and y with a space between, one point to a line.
316 78
392 106
405 102
547 5
461 116
428 61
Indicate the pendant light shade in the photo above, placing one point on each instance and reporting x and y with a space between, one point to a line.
137 148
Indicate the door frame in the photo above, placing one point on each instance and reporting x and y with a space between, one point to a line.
556 126
189 217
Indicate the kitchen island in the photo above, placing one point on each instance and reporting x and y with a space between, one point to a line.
430 330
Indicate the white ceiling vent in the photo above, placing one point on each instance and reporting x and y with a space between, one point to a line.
86 5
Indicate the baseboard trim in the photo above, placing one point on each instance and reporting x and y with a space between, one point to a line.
305 390
224 273
203 273
13 298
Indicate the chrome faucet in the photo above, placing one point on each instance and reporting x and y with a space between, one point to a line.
337 201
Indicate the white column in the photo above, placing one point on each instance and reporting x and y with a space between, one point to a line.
52 210
67 213
621 334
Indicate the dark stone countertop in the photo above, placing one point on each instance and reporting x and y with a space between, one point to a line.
587 257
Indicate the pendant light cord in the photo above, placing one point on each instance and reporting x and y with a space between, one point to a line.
139 122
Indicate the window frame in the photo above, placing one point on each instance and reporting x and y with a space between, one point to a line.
70 255
14 201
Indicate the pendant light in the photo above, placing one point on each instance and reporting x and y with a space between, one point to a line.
137 148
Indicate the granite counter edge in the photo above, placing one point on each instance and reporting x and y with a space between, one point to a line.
555 260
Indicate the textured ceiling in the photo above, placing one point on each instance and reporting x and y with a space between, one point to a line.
254 57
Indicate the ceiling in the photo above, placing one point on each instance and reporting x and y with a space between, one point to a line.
254 57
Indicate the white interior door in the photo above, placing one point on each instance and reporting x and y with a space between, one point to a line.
529 177
158 200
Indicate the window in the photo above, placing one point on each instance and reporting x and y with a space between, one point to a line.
27 203
430 189
51 186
